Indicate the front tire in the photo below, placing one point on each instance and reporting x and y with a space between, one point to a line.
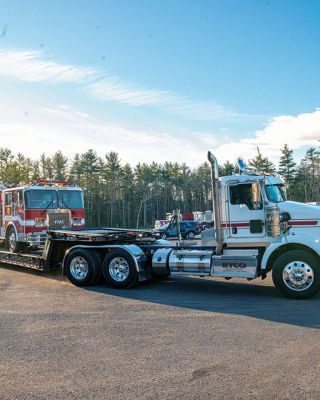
11 241
83 267
119 269
297 274
190 235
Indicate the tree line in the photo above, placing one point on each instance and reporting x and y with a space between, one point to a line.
122 195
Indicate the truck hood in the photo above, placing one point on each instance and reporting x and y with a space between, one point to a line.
301 214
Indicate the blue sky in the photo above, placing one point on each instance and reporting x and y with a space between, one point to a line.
160 80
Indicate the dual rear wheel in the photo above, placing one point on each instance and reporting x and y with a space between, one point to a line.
85 267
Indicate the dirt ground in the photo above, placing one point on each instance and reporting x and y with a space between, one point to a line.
182 338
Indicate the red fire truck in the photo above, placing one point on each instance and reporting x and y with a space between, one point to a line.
29 210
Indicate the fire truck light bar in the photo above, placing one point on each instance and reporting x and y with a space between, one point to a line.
50 183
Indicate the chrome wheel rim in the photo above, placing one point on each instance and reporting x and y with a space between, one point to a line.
119 269
79 268
12 241
298 275
190 235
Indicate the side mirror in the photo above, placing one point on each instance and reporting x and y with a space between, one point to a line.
255 192
255 196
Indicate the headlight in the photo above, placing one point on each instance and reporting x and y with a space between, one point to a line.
78 221
39 222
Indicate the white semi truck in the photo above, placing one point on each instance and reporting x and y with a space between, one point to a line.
257 231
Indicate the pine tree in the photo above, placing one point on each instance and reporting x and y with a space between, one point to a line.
45 165
75 170
112 173
287 167
59 166
312 162
262 164
6 158
227 169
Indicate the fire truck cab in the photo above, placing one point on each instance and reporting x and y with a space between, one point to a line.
29 210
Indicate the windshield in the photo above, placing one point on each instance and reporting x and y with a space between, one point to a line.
70 199
276 193
165 226
52 199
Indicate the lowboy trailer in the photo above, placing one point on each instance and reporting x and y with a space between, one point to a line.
257 231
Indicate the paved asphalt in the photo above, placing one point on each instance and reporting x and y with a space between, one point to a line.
184 338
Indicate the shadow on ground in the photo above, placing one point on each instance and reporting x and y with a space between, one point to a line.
252 299
248 299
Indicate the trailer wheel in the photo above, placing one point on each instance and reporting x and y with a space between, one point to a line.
297 274
11 241
119 269
82 267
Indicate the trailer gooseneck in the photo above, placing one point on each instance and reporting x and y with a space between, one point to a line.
256 231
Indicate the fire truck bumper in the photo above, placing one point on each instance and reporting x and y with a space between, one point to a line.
36 239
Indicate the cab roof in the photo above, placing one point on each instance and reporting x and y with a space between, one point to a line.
269 180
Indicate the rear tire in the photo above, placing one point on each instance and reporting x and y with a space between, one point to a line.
83 267
11 241
297 274
119 269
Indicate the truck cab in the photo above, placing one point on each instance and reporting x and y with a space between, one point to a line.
248 199
29 210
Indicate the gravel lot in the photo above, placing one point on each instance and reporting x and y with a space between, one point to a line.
184 338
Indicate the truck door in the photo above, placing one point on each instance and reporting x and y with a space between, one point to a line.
8 197
1 214
245 212
18 211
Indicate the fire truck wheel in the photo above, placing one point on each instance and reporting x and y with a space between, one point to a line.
297 274
119 269
11 241
82 267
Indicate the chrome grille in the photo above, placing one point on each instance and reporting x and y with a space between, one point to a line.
59 220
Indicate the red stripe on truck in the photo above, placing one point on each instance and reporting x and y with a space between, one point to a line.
292 223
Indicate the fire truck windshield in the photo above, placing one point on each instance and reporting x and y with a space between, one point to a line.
52 199
70 199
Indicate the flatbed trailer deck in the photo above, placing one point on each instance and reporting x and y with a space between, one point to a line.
123 256
60 241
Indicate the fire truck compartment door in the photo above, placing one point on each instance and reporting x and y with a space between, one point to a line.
245 211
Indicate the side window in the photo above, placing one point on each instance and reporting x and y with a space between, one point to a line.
242 194
18 200
8 199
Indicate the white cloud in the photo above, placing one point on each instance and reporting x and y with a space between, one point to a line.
296 131
30 66
114 89
50 129
33 66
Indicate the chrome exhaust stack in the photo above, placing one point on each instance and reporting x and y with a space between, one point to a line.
216 201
